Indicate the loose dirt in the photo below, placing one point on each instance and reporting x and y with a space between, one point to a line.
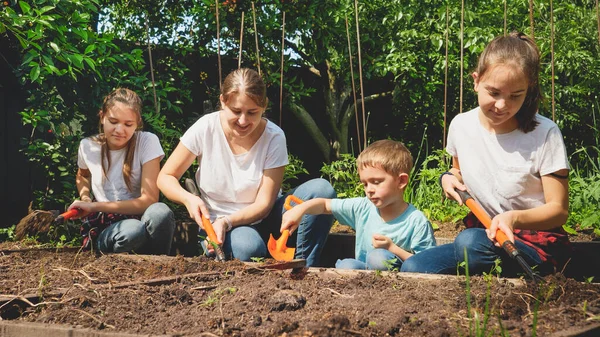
199 296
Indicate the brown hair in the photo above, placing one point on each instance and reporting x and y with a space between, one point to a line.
248 81
132 100
389 155
519 50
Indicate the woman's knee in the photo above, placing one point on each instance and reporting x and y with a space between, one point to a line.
246 243
161 213
317 188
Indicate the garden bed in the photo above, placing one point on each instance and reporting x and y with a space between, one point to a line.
197 296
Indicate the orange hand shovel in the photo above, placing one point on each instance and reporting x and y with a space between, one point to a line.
277 248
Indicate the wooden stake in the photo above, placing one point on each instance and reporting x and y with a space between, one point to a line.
446 79
241 41
552 57
256 38
462 43
218 42
281 75
505 13
598 16
353 86
151 67
362 93
531 19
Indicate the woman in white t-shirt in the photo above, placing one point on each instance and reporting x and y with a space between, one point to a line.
116 182
242 158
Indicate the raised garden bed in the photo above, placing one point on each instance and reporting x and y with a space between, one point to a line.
177 296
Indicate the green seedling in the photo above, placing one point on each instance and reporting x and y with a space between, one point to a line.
257 259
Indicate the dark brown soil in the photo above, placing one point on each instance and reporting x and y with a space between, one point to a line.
192 296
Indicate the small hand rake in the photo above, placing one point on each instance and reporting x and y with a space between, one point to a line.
502 239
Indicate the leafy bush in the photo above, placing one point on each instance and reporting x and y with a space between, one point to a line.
343 176
584 194
292 171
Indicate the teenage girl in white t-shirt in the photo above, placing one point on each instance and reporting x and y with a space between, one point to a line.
116 181
513 162
241 162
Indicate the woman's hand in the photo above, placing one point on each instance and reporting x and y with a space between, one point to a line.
86 207
381 241
504 222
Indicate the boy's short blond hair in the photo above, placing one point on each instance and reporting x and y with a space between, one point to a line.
389 155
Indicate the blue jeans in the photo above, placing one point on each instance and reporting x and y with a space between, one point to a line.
482 253
246 242
377 259
152 234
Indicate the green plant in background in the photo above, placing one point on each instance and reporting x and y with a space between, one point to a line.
425 193
584 192
343 176
292 171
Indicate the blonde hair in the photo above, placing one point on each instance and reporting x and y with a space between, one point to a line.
248 81
133 101
389 155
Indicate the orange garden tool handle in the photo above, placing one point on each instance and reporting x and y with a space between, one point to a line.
291 198
485 219
190 186
68 215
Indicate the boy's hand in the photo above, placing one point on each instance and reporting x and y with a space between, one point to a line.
290 220
381 241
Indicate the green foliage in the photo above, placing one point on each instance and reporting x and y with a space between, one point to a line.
425 193
343 176
584 194
292 171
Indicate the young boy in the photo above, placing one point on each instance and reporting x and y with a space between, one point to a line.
388 229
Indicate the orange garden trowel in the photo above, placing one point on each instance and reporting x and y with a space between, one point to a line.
278 249
502 239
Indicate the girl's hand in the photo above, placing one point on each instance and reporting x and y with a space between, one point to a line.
381 241
291 219
504 222
450 182
85 206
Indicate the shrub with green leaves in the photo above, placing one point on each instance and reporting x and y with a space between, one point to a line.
343 176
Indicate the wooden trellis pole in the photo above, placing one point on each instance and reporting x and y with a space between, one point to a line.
505 13
151 66
362 93
598 17
353 86
241 41
256 39
531 19
446 79
552 57
281 75
462 44
218 42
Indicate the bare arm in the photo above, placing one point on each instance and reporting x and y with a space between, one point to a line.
168 182
291 218
82 180
149 194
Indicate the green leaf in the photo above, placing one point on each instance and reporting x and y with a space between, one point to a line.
25 7
55 47
34 73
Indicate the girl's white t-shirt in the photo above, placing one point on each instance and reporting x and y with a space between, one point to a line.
113 187
503 171
229 182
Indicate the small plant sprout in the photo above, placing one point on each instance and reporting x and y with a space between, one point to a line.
257 259
390 264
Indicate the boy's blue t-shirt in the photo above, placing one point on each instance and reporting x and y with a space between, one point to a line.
411 230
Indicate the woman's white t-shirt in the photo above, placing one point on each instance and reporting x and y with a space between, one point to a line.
113 187
229 182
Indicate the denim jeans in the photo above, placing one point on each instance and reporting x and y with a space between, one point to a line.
377 259
152 234
246 242
481 252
